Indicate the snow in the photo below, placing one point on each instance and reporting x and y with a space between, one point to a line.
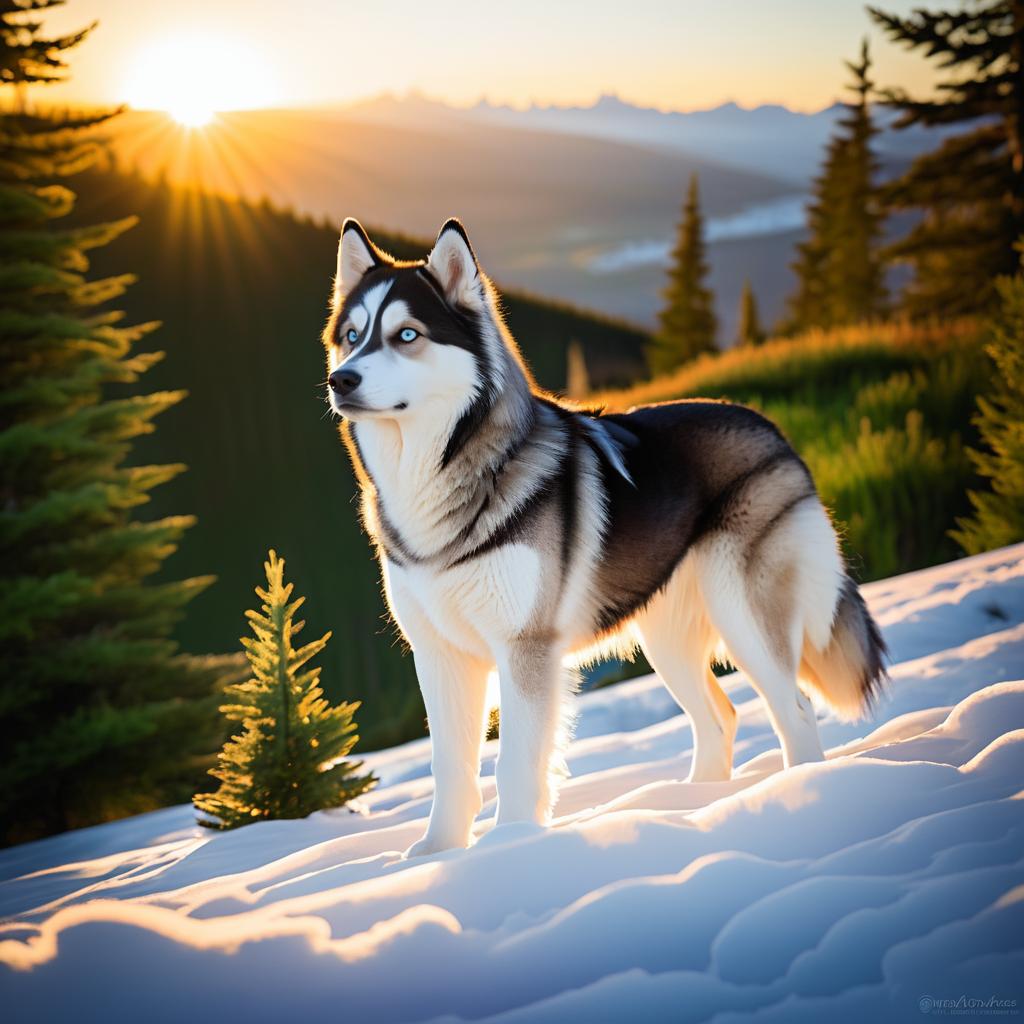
872 886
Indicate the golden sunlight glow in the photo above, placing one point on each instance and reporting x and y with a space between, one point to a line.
191 115
193 77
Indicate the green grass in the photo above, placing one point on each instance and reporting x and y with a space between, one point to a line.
881 414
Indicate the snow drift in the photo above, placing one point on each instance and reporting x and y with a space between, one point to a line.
882 884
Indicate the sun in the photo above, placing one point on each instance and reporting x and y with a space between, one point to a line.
193 77
191 114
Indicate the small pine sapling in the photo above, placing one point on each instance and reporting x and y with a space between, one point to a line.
289 758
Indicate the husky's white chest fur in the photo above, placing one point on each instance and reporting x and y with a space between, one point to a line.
475 608
475 605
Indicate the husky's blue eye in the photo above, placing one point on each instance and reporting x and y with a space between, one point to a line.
409 334
352 335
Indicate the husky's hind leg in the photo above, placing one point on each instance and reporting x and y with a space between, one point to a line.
675 635
756 611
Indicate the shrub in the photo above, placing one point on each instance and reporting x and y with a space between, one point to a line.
288 760
998 517
892 491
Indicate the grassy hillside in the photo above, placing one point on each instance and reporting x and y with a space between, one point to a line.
242 290
880 413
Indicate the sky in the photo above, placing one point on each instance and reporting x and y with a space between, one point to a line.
683 55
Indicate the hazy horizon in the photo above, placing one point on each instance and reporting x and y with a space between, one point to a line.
414 94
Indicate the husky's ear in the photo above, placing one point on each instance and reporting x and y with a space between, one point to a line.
356 255
453 263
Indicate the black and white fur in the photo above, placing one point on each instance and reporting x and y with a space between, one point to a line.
518 534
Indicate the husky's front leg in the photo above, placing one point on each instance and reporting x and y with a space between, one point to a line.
533 687
454 688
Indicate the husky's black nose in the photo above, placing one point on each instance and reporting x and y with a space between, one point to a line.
344 382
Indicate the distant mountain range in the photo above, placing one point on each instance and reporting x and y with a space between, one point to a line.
770 139
576 203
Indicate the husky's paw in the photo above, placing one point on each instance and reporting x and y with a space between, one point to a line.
432 844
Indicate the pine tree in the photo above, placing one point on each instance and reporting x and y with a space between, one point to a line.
999 513
288 759
687 323
839 268
970 189
99 713
749 331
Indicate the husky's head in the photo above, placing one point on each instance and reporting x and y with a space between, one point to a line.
412 339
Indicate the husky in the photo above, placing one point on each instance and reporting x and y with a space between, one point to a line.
519 534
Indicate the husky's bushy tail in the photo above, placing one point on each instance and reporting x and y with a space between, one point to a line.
849 671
